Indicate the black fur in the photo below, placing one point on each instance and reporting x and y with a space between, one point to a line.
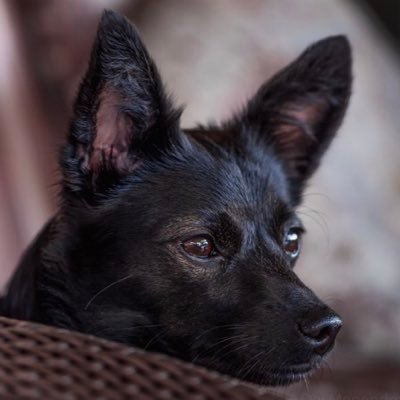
135 187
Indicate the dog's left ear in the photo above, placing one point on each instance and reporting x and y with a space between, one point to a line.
299 110
122 114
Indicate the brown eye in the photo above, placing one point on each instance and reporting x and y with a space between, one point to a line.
291 243
200 247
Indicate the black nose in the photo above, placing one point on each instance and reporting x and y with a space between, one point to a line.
320 331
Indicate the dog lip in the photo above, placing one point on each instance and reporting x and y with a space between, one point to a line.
290 374
274 377
295 369
282 376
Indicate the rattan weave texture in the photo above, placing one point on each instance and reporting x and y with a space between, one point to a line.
41 362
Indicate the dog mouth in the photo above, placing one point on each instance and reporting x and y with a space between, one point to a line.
257 367
281 376
292 374
263 375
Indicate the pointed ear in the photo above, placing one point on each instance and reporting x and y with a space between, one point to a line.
121 115
299 110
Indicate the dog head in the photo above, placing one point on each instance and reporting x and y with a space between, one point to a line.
184 242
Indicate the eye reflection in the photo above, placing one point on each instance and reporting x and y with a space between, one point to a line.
291 243
200 247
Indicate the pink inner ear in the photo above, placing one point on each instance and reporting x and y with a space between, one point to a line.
114 130
307 115
298 129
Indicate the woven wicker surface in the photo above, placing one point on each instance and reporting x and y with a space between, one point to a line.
41 362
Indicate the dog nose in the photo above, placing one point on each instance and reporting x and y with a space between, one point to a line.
320 332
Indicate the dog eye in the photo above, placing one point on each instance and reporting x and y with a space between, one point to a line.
291 242
199 247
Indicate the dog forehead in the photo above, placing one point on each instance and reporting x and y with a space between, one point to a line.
197 186
221 183
233 200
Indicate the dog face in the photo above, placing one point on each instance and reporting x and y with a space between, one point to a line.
184 242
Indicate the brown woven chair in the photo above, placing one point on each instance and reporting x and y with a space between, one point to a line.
41 362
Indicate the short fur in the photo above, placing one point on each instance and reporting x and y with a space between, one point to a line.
136 186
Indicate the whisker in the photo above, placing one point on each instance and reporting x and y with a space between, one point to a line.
243 372
252 368
104 289
305 379
244 339
236 340
157 336
230 326
323 226
136 327
315 194
326 364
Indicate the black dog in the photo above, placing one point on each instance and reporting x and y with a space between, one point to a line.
184 242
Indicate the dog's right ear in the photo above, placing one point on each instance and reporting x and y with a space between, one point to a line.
296 113
122 114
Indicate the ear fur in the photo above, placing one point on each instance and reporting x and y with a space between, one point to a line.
122 113
295 114
299 110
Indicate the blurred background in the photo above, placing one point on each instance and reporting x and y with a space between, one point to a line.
213 54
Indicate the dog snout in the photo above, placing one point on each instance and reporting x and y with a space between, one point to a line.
319 330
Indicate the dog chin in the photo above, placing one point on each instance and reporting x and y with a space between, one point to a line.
267 377
285 376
